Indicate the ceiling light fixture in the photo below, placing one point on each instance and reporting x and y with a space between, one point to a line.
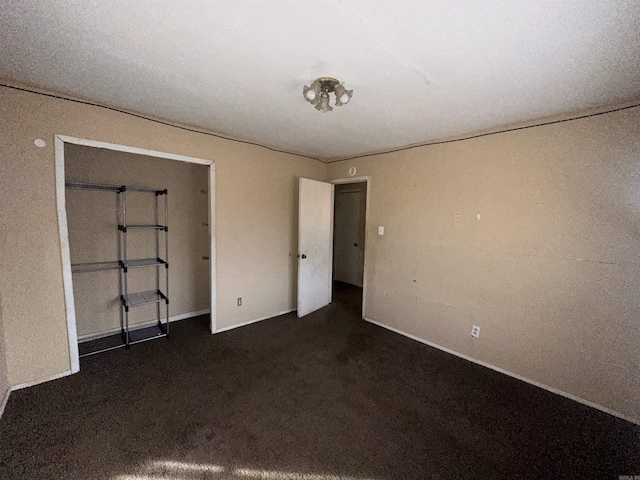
318 93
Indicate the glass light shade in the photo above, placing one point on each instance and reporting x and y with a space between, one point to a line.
323 103
311 93
342 95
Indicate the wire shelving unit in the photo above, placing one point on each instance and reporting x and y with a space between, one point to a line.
160 295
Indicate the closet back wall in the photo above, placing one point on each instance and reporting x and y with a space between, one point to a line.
93 235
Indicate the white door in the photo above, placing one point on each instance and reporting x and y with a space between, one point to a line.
348 246
315 222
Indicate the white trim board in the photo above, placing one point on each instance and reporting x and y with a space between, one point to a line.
184 316
172 318
129 149
225 329
4 401
42 380
511 374
212 248
65 252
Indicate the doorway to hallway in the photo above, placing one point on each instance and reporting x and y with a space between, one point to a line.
348 297
331 240
349 232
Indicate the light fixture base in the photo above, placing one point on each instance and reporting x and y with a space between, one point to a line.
328 84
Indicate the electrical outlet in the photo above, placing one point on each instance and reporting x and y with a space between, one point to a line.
475 331
239 301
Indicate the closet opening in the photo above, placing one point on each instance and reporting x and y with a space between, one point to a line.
138 243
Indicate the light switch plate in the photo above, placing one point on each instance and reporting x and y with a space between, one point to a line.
380 230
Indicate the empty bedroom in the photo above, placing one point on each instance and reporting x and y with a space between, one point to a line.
341 239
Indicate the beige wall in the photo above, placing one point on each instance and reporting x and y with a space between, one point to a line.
255 221
91 217
549 270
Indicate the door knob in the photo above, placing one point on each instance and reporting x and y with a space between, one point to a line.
355 244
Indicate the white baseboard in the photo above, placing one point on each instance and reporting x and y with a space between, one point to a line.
184 316
4 400
511 374
41 380
254 321
172 318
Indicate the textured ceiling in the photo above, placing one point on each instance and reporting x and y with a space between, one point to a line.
420 70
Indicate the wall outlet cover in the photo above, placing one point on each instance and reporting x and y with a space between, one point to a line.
475 331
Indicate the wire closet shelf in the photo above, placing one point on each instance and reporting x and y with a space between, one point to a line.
131 334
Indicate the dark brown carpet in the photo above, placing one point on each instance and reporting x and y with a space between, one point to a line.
327 396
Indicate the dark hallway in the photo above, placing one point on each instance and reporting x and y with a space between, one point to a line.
348 297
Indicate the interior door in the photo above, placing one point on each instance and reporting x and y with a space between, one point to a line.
315 245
